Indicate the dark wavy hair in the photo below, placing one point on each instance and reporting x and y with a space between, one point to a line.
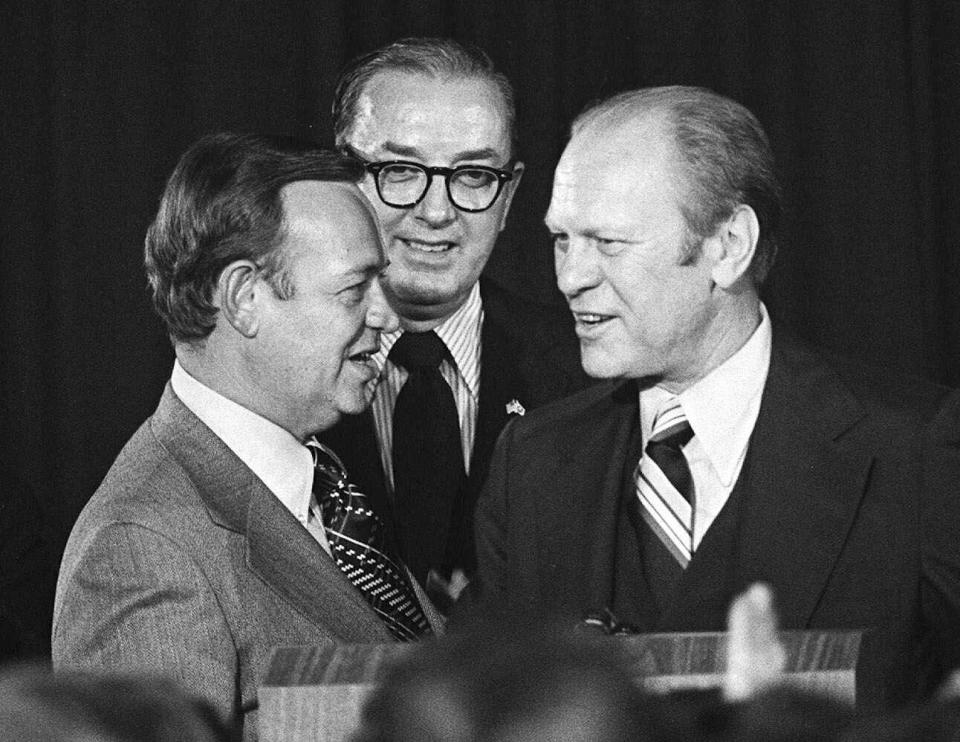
223 203
724 157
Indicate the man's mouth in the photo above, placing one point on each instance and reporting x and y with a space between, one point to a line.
591 319
427 247
363 356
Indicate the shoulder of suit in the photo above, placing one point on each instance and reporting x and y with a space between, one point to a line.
603 398
877 389
144 485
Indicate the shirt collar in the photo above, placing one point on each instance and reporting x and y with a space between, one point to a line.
723 406
281 462
460 332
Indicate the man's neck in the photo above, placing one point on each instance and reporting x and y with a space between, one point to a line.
728 335
203 366
208 367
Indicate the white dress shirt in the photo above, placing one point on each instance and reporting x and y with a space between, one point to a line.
722 410
273 454
461 333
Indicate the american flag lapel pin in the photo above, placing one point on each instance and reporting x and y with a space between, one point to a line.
515 408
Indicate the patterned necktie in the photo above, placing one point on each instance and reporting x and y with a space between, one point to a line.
356 538
664 482
428 470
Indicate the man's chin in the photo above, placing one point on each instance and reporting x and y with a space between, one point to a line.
419 290
599 368
422 301
357 402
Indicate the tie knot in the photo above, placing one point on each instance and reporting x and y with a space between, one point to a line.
670 425
418 350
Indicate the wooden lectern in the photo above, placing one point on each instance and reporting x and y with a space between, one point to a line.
310 693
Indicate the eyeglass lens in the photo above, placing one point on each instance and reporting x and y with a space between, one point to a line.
469 188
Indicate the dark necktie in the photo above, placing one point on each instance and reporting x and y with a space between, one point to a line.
664 482
356 537
428 471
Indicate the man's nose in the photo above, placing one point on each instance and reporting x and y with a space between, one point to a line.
380 315
435 208
577 267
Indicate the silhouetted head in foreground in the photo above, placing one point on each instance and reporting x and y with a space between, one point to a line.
492 684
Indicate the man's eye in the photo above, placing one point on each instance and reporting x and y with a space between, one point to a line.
560 241
609 246
353 294
475 178
400 174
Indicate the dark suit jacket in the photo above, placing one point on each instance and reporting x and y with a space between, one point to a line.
844 506
184 563
529 354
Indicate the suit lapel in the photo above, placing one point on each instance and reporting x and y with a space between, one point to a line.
805 486
500 383
291 562
800 490
278 549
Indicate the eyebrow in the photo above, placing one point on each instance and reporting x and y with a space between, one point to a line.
367 270
593 233
402 150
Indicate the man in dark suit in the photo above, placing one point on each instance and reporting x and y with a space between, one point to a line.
218 534
720 452
433 122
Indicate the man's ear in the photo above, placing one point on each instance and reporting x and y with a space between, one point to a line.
734 245
509 188
238 289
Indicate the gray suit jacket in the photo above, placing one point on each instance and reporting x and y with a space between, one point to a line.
184 563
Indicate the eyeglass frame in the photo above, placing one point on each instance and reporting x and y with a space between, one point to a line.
374 168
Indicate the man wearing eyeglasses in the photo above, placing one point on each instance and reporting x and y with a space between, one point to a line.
433 122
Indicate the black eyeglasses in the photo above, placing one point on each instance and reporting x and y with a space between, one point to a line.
403 184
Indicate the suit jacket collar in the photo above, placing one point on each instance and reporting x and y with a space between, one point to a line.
278 549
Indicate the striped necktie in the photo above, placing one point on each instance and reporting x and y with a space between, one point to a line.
664 483
356 537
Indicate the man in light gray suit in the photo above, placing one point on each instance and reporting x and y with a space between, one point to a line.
208 542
